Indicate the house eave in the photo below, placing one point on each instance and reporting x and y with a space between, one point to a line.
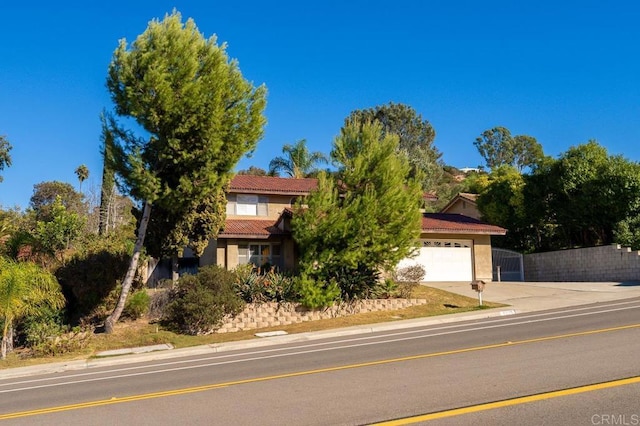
462 232
267 192
245 236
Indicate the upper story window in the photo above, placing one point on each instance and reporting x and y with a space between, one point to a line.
247 205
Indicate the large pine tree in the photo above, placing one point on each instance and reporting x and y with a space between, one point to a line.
200 117
365 221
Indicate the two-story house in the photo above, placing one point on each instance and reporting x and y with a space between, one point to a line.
452 247
257 229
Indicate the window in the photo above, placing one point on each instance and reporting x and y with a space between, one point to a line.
445 243
259 254
247 205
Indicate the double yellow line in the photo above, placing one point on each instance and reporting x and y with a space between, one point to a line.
405 421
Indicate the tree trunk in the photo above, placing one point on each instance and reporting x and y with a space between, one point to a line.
11 338
174 270
5 338
131 272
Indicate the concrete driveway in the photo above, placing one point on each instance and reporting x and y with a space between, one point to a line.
536 296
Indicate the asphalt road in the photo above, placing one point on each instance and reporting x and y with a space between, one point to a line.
554 367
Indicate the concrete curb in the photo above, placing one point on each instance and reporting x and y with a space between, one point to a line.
155 352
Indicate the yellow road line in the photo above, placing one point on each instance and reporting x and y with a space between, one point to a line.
299 373
510 402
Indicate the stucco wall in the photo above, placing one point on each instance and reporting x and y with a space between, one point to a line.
232 254
464 207
275 206
209 255
604 263
288 251
482 256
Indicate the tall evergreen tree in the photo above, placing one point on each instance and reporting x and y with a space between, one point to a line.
365 222
5 158
200 116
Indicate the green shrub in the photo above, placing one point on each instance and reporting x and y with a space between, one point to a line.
46 335
248 284
200 302
278 287
36 329
255 287
137 304
70 341
314 295
387 289
354 282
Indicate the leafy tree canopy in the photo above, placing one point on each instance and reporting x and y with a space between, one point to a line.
586 197
415 139
498 147
200 117
45 194
57 234
253 171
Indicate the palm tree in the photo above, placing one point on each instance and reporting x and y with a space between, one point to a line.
25 289
83 173
298 162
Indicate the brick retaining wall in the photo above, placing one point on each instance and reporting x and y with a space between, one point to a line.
603 263
274 314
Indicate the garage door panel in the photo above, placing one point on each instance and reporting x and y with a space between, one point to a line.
444 260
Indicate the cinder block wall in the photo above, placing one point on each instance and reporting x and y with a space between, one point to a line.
604 263
273 314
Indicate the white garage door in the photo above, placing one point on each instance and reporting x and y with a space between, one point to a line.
444 260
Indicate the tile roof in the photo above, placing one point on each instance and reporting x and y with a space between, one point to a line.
457 224
250 228
432 223
428 196
272 185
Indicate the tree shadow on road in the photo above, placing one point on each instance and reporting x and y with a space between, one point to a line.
628 284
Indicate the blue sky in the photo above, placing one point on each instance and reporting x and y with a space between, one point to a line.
563 72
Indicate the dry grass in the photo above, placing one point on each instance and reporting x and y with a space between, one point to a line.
141 333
